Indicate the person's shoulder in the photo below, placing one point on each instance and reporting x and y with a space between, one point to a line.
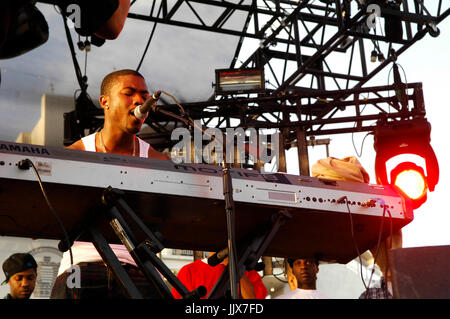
152 153
78 145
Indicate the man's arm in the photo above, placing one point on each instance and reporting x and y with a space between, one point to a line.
112 28
247 289
152 153
78 145
257 289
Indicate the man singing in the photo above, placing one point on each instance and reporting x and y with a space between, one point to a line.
121 92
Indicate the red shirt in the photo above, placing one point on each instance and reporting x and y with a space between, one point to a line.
200 273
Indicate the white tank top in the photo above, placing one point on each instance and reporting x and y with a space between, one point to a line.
89 145
85 251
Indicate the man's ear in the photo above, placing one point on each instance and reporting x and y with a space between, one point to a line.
292 281
103 100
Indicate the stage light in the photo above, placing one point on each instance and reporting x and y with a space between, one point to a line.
410 136
411 180
87 45
80 45
373 56
232 81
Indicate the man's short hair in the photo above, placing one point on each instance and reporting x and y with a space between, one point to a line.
292 260
109 80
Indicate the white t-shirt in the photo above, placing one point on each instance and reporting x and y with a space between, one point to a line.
303 294
86 251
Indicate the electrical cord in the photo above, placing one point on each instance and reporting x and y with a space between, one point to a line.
149 40
279 279
362 144
353 237
377 250
185 115
25 164
390 247
364 139
367 286
176 102
406 80
281 274
78 74
379 242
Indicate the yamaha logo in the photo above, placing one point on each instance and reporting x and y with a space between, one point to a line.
19 148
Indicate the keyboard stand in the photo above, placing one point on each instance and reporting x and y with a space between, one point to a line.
254 247
143 253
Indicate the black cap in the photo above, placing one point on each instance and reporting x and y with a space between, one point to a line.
17 263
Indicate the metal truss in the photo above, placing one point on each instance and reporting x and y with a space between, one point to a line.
316 54
323 45
291 113
309 44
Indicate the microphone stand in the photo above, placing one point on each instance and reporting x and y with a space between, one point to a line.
229 210
229 205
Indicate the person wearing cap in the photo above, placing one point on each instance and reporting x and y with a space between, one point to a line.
21 272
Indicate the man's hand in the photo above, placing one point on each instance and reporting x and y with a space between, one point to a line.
247 289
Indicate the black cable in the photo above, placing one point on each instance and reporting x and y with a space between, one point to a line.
406 81
148 42
362 144
354 239
85 60
378 248
353 140
66 236
387 259
146 47
78 74
279 279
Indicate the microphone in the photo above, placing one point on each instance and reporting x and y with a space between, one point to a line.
141 111
218 257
